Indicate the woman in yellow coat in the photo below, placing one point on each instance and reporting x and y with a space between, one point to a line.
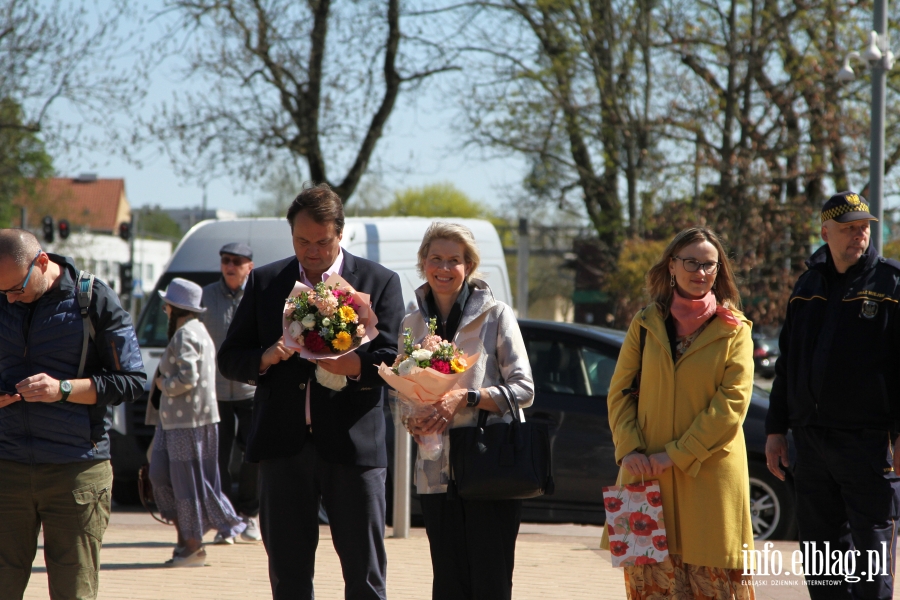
696 378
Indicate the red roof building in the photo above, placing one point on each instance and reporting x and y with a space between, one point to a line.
86 202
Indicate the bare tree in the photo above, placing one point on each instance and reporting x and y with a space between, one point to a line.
723 113
569 85
54 53
287 81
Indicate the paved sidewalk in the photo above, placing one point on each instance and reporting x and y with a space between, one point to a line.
553 562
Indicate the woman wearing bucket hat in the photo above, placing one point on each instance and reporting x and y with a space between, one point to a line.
184 465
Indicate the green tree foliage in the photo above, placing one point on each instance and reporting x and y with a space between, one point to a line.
23 160
892 249
435 200
627 282
153 222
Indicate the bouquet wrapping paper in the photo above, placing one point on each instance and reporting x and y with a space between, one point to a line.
418 390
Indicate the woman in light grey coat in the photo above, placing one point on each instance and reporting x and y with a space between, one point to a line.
472 542
184 465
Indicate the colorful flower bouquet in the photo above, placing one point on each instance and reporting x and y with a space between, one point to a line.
328 321
422 374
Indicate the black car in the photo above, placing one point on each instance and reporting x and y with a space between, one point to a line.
572 366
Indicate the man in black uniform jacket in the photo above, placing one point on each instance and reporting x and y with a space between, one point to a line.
311 442
837 386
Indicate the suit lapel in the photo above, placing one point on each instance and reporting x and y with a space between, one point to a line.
286 279
350 270
274 295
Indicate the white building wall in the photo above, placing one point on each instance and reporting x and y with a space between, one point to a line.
102 255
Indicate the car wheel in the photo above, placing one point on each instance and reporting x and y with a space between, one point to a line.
771 505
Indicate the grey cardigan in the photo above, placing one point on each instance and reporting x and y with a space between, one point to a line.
488 327
221 304
187 369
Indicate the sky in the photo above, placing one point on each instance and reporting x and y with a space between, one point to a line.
418 148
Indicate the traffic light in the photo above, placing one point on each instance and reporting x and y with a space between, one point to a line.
48 229
125 230
126 278
63 229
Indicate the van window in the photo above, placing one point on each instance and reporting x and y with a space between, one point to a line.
153 324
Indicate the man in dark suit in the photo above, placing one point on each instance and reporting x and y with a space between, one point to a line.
311 442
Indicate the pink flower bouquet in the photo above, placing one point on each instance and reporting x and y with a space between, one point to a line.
422 374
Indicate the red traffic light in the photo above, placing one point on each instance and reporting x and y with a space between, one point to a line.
125 230
63 229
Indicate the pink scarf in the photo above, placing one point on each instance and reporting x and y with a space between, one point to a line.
690 314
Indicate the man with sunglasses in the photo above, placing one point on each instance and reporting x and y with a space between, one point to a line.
55 471
235 399
837 388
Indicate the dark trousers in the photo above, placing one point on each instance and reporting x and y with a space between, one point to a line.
353 496
240 411
847 496
473 546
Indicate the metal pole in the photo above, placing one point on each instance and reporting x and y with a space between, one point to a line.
522 270
402 453
131 301
876 152
24 218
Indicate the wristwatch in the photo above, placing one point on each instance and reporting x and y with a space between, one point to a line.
473 397
65 387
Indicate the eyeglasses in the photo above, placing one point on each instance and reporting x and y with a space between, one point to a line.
21 290
692 266
234 260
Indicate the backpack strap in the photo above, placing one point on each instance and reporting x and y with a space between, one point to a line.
84 289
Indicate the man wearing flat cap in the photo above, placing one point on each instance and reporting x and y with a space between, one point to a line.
837 388
235 399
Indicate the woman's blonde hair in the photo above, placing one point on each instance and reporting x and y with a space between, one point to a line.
441 230
659 285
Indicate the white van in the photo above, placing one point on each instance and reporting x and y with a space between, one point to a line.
390 241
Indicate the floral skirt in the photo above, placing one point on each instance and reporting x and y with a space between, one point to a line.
184 471
676 580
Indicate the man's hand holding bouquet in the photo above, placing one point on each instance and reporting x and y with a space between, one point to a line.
422 374
326 322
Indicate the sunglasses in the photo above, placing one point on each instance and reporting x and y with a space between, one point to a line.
21 290
234 260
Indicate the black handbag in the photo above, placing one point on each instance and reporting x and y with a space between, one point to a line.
503 461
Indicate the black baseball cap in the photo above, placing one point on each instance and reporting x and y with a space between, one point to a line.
237 249
845 207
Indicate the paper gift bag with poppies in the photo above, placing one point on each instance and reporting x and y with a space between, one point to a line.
634 521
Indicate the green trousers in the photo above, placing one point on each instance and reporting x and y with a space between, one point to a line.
71 502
